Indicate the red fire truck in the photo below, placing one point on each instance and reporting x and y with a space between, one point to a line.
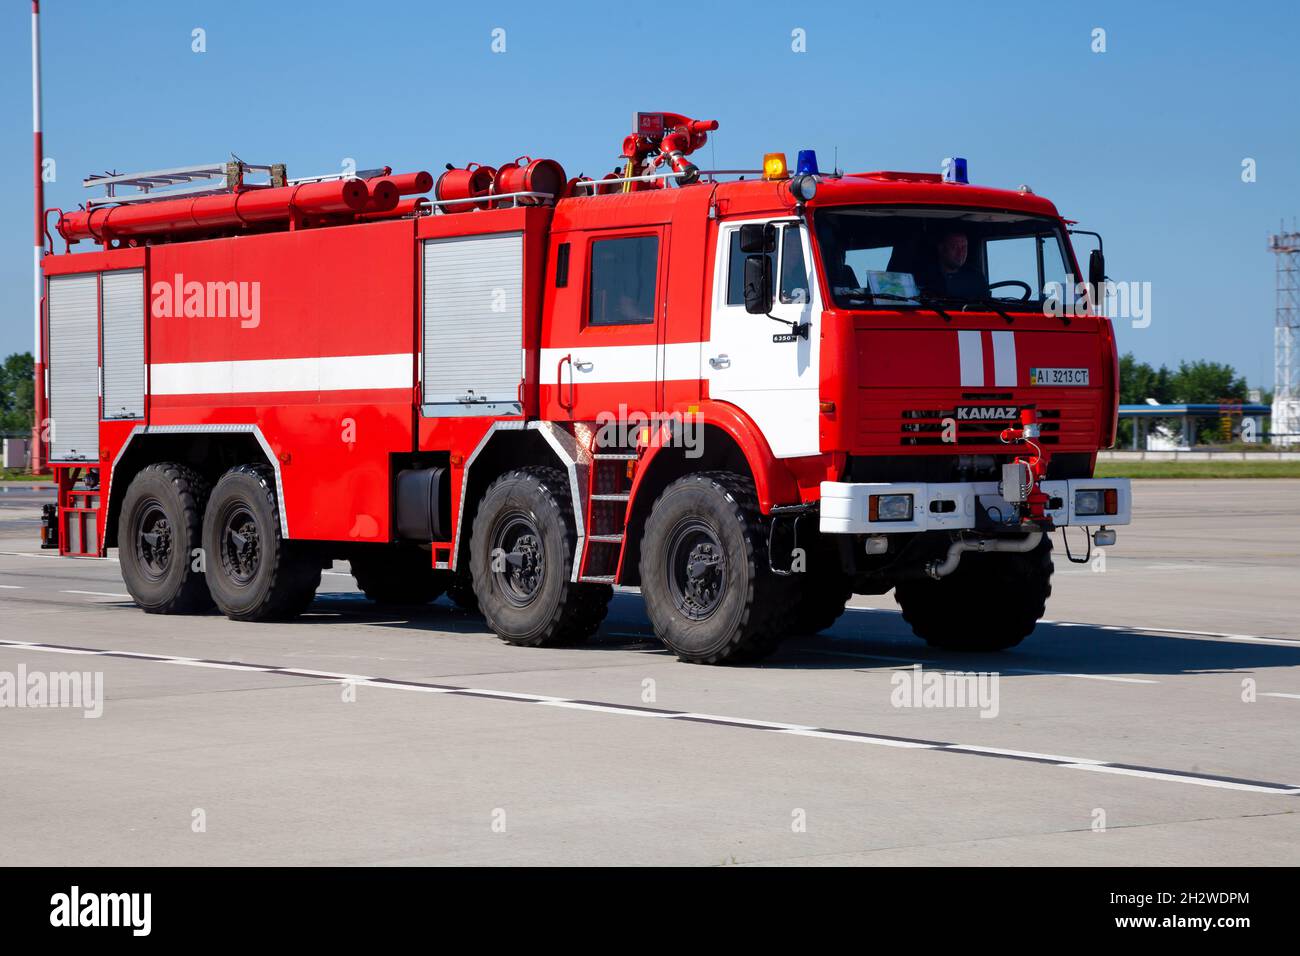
750 394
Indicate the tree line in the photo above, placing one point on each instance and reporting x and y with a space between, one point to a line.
17 394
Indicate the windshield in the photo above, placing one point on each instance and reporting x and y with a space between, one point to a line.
887 257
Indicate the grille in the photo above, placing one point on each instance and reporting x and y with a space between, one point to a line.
925 426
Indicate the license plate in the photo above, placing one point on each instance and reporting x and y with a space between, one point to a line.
1058 376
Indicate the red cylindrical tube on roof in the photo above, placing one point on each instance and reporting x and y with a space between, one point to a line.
219 211
408 184
383 195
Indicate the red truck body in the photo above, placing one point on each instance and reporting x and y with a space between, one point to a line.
327 349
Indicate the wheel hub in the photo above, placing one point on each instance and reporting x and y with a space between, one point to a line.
241 547
519 559
696 569
154 541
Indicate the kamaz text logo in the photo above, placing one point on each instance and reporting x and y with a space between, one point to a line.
987 413
208 300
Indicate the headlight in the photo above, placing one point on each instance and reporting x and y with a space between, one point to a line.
889 508
804 187
1096 501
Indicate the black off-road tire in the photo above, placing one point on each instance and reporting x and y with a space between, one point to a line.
709 590
990 603
527 596
164 505
399 576
254 574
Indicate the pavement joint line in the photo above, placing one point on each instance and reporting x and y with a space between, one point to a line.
1057 760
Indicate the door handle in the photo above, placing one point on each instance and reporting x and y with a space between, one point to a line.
559 383
720 361
584 366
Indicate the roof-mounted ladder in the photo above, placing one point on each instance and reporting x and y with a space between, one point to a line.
183 180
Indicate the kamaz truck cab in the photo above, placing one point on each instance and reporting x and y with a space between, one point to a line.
941 359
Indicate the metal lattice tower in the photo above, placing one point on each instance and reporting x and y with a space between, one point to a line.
1286 339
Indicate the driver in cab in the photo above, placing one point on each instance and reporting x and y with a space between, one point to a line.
954 277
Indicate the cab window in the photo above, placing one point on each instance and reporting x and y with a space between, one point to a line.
794 275
624 273
792 282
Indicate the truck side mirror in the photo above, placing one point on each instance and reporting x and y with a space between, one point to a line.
758 237
1097 274
758 283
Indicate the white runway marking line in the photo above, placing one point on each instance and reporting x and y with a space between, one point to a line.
11 587
797 730
1217 635
938 665
1181 778
108 594
1276 694
66 557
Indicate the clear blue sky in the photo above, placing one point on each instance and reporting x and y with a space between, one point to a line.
1143 143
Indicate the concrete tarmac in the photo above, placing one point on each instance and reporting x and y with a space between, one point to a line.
1154 719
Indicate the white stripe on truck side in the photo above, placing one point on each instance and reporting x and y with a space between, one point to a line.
328 373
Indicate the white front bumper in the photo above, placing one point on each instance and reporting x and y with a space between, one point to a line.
844 505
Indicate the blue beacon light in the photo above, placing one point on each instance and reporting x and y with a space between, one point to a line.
954 170
807 162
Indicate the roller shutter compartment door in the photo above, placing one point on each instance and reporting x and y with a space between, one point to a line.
74 367
124 344
472 351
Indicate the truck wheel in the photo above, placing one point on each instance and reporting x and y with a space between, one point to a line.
254 574
521 560
404 576
160 527
991 602
709 591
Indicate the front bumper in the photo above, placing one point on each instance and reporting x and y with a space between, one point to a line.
954 506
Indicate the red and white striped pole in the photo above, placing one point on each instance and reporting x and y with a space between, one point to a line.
38 353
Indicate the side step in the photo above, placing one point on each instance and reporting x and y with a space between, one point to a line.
607 503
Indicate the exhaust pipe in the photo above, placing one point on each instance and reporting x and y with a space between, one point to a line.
942 568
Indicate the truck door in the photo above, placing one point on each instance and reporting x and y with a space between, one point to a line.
750 360
601 343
